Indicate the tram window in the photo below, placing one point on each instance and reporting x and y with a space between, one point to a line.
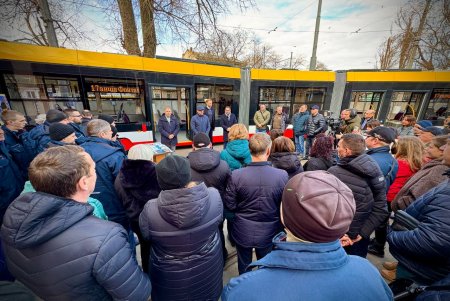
122 98
438 108
309 96
177 98
275 97
365 100
404 103
221 95
33 94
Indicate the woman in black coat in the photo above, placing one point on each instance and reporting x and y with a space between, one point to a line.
283 156
321 156
135 185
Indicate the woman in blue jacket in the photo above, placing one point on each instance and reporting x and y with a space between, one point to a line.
237 153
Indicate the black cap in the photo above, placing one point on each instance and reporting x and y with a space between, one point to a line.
173 172
53 116
106 118
59 131
201 140
383 133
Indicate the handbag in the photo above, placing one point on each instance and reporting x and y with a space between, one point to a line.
404 222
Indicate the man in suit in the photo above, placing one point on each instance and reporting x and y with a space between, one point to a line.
227 120
169 127
210 112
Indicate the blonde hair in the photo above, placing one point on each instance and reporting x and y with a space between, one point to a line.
411 149
238 131
141 152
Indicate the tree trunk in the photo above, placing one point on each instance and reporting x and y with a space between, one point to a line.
130 37
148 27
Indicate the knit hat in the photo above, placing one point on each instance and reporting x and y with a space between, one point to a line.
201 140
317 206
53 116
173 172
106 118
383 133
424 123
59 131
433 130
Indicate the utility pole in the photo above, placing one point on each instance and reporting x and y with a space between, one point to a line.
417 36
312 64
290 62
48 22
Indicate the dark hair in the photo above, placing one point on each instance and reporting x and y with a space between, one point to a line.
274 134
322 147
282 145
373 123
355 143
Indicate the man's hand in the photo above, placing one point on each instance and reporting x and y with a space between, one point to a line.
171 136
228 129
345 241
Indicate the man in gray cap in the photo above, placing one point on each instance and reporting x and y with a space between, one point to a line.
308 263
200 122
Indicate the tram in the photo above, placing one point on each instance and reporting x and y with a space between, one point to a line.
34 79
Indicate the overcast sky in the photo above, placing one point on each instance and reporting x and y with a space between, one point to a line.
350 30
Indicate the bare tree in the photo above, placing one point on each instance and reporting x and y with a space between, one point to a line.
387 54
320 66
130 38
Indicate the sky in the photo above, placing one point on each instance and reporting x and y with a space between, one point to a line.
350 30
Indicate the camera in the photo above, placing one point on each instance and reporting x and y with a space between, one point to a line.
332 122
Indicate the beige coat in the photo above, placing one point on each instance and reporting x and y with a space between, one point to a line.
261 118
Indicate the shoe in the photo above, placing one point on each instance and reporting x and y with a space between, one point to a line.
390 265
376 251
388 275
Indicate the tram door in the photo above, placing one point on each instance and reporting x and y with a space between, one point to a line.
177 99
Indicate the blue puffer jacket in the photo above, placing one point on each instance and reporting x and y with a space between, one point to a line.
61 252
20 146
108 160
308 271
41 137
237 154
11 180
254 195
386 162
186 256
425 250
300 122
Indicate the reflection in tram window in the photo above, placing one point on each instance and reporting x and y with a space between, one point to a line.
221 95
176 98
275 97
363 101
437 109
404 103
309 96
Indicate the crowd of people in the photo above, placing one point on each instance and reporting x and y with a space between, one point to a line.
73 202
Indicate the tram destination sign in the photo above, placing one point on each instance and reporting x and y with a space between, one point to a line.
113 89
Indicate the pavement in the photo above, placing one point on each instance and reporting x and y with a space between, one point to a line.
230 269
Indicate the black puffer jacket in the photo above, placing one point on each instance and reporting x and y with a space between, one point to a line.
254 194
186 256
318 164
363 176
425 250
288 162
61 252
207 167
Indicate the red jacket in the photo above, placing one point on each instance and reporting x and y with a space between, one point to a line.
403 175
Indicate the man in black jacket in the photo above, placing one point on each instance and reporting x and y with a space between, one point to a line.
207 167
56 247
363 176
211 114
226 121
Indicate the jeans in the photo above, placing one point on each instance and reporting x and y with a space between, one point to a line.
261 130
245 256
300 145
309 143
359 248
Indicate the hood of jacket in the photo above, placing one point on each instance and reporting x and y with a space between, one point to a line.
238 149
381 149
136 173
204 159
184 207
362 165
99 148
34 218
287 161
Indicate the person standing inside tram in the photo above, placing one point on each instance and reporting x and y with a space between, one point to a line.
200 122
211 113
168 126
261 119
226 121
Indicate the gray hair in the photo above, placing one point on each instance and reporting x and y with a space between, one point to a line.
141 152
97 126
259 143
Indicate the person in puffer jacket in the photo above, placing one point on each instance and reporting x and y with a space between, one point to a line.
283 156
237 153
363 176
182 225
56 247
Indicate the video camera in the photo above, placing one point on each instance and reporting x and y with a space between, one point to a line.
332 122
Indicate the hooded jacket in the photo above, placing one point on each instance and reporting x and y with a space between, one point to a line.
56 248
186 256
20 147
108 160
254 195
207 167
308 271
41 137
424 250
363 176
429 176
288 162
237 154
